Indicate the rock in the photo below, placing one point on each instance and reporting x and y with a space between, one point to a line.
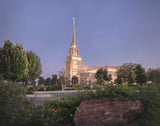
108 112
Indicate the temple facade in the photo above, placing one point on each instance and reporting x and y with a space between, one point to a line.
74 65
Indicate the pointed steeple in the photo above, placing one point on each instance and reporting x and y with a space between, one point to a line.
74 43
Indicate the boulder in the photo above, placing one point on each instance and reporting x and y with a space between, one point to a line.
108 112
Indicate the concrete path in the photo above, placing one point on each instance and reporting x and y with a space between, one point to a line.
50 93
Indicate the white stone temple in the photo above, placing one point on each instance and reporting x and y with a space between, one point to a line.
74 65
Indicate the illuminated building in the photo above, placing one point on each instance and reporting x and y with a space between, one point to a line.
74 65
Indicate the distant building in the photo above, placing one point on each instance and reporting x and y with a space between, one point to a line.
74 65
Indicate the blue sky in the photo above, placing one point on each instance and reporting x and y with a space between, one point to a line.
108 32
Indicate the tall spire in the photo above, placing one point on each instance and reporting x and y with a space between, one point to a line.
74 43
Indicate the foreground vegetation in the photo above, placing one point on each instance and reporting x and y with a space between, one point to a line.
17 110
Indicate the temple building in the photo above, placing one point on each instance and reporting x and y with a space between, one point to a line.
74 65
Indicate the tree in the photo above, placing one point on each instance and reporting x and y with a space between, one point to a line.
101 75
19 66
47 81
131 76
140 74
6 55
34 67
41 80
54 79
74 80
1 65
61 77
154 75
126 73
13 62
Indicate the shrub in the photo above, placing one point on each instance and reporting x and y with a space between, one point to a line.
49 88
56 87
29 92
31 88
41 89
15 108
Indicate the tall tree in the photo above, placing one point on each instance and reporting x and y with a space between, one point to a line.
61 78
47 81
13 62
140 74
20 64
131 76
154 75
102 75
126 73
6 59
34 66
1 65
41 80
54 79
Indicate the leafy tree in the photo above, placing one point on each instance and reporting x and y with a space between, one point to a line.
41 80
6 55
74 80
140 74
54 79
19 66
61 77
102 75
13 62
1 65
47 81
131 76
34 66
126 73
154 75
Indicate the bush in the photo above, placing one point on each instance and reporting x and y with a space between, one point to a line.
49 88
29 92
56 87
31 88
41 89
15 108
80 87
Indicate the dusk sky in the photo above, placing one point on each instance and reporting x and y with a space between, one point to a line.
108 32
